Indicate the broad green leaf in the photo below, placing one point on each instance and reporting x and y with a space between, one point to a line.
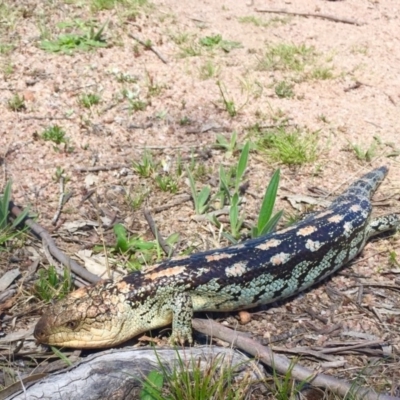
172 239
224 182
271 224
242 164
122 240
268 202
5 200
203 197
234 211
152 386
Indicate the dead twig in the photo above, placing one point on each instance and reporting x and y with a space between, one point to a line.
54 250
150 47
360 345
101 168
174 203
314 15
60 202
166 248
282 364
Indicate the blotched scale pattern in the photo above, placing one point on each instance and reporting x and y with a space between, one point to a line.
255 272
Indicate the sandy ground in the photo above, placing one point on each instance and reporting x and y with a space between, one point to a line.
357 106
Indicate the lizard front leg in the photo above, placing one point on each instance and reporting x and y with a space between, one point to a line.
180 304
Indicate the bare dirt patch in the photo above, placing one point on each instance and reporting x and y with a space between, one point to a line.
221 67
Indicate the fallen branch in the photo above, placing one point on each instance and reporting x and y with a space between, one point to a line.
54 250
282 364
173 203
150 47
101 168
314 15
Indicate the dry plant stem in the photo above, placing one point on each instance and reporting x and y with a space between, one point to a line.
54 250
60 202
301 14
282 364
174 203
161 57
20 385
102 168
167 250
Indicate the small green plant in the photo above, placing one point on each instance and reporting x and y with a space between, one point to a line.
167 183
50 286
201 198
184 121
189 381
229 146
88 100
323 118
55 134
250 19
7 69
125 244
286 57
7 227
153 88
146 166
285 387
393 261
363 154
180 37
137 105
6 48
208 70
321 73
216 41
16 103
190 48
284 89
137 251
266 222
288 146
229 104
152 387
68 43
138 198
123 77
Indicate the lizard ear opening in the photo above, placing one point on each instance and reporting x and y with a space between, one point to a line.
72 324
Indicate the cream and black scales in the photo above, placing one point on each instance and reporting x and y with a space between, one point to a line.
258 271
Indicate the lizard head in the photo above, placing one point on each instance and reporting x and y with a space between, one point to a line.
87 318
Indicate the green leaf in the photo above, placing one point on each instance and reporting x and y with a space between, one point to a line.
268 202
242 164
122 240
203 197
140 244
152 386
222 142
172 239
271 224
229 237
224 182
234 212
4 202
61 355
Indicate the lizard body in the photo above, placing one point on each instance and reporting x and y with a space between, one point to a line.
257 271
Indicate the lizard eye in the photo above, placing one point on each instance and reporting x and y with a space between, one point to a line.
72 325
